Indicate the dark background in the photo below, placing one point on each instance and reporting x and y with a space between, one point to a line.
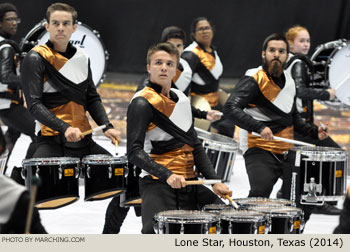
129 27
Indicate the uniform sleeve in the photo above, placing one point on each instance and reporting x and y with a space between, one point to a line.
8 73
245 92
33 72
139 116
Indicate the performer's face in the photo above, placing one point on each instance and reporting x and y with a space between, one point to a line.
301 43
162 68
275 57
60 27
9 23
204 33
178 43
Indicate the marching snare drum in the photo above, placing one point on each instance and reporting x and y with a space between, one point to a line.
221 151
331 61
242 222
104 176
131 196
186 222
84 37
322 174
283 219
260 201
59 184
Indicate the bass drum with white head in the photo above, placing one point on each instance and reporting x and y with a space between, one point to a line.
84 37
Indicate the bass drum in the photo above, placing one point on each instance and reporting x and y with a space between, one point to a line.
330 61
85 37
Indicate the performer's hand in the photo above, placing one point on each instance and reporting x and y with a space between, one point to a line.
72 134
266 134
322 133
331 93
221 189
213 115
176 181
114 135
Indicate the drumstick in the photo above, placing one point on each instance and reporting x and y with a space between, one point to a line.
35 182
324 128
92 130
232 202
291 141
219 113
116 144
202 182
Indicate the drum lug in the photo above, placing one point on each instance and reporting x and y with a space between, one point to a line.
218 228
23 173
60 172
302 223
182 229
206 228
88 171
255 226
291 223
110 171
230 227
77 171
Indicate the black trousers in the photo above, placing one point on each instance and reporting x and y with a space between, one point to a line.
344 219
158 196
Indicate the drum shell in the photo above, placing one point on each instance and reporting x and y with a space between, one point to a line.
131 196
104 176
59 184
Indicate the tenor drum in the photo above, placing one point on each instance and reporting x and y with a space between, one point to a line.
131 196
283 220
104 176
84 37
216 208
259 201
323 172
221 151
242 222
186 222
59 185
331 61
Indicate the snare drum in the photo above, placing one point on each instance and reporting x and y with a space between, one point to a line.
242 222
322 174
186 222
330 61
104 176
59 185
84 37
259 201
284 219
131 197
221 151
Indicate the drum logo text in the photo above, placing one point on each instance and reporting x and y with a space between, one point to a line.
79 42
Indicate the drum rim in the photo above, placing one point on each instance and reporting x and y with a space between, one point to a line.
249 200
189 216
243 215
321 153
99 158
53 161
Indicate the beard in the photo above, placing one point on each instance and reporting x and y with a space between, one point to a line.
274 68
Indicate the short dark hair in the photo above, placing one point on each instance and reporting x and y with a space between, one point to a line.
194 24
173 32
164 46
6 7
275 36
61 7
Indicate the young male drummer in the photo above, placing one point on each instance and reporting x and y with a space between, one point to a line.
263 101
59 90
162 141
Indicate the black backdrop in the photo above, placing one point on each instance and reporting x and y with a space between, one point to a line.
129 27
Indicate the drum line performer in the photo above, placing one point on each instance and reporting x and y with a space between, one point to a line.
300 67
12 111
263 101
162 141
59 90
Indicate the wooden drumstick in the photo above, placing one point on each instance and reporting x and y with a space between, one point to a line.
116 144
202 182
35 182
286 140
88 132
232 202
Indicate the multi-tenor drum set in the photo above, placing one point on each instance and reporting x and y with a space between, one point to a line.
323 170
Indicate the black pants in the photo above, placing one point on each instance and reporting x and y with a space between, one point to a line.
19 119
344 219
17 222
158 196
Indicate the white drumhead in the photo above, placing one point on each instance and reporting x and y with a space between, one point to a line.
90 42
339 74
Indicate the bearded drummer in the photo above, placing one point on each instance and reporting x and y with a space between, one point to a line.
59 90
263 101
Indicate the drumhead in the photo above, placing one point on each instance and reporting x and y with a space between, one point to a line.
185 216
320 153
216 141
258 201
216 207
50 161
284 211
84 37
104 159
242 215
